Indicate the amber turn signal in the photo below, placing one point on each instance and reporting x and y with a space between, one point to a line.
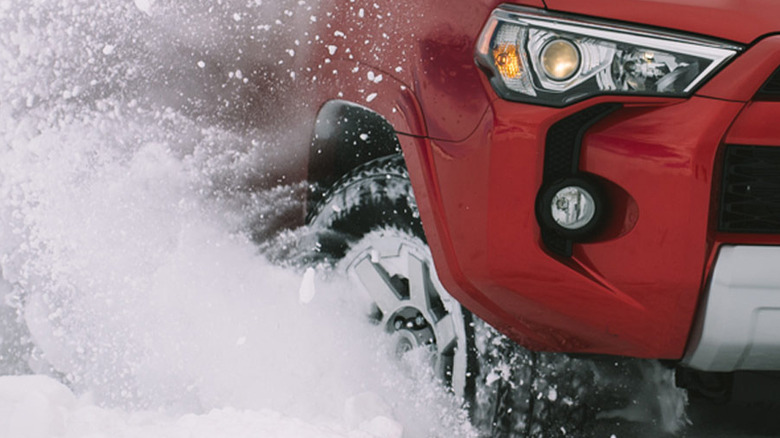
507 61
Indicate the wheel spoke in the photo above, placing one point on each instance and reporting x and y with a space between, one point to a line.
445 333
418 292
459 371
377 282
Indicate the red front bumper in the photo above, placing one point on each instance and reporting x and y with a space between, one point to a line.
635 290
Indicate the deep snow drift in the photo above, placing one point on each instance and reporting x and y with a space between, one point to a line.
129 133
38 407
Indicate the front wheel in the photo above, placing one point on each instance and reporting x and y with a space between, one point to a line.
395 271
367 226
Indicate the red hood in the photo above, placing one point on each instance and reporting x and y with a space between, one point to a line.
742 21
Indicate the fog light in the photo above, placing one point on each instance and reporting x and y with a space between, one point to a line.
560 59
573 207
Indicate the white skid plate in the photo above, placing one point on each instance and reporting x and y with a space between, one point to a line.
739 323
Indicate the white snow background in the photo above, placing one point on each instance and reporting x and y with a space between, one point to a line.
130 134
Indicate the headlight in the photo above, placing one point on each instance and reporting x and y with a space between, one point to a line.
551 59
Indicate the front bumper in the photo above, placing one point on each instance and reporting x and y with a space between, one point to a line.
636 288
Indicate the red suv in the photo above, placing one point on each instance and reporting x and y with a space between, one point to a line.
593 177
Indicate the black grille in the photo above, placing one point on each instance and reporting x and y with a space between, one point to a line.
564 139
750 197
562 159
771 88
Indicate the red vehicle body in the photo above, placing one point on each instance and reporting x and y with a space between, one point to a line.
476 162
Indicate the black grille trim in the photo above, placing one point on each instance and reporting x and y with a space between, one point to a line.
564 141
750 190
771 88
562 160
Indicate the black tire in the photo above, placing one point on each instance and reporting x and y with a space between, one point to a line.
552 395
521 393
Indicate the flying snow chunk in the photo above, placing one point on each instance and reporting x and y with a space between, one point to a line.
145 6
34 406
332 50
371 97
369 413
383 427
307 291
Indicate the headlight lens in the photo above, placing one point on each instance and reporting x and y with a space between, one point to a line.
560 59
552 59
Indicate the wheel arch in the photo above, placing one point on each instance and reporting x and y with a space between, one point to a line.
346 136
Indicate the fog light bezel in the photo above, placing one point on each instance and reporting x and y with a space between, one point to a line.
589 230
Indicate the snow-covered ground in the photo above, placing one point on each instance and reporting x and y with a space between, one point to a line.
129 131
37 406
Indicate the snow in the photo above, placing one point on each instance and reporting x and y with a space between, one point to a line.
144 6
136 301
307 290
40 407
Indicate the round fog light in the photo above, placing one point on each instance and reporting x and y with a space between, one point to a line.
560 59
573 207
